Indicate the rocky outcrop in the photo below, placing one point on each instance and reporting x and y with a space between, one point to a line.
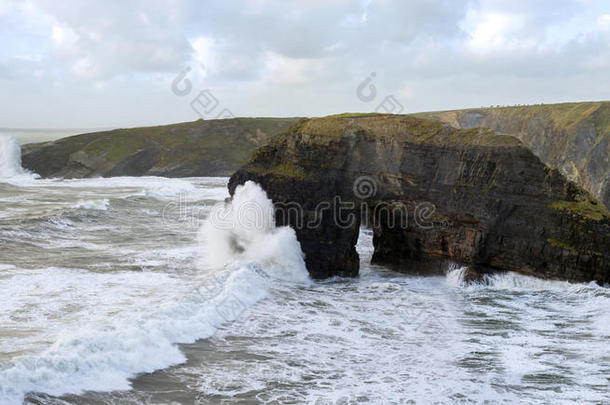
433 194
199 148
573 137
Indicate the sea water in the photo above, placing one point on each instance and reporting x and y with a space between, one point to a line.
152 290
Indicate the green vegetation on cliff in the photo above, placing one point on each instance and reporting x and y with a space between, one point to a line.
289 170
198 148
400 127
563 245
115 148
563 115
585 207
573 137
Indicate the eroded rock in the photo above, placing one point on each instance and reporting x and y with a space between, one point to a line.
468 196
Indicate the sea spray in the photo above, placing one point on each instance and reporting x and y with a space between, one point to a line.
508 280
10 157
243 231
455 275
10 161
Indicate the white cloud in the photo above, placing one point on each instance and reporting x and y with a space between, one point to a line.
205 54
85 68
63 36
292 71
603 22
34 57
497 32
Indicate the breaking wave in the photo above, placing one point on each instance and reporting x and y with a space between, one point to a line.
239 266
100 205
10 160
513 281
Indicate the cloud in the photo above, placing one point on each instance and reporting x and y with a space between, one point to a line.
99 40
293 71
63 36
266 57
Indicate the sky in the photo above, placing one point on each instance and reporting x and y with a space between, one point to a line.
102 64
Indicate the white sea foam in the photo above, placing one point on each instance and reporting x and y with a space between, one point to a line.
100 205
110 326
144 186
386 338
513 281
382 337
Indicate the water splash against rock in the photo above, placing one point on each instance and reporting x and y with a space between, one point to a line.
102 353
10 157
243 231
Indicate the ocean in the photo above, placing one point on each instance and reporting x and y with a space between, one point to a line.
152 290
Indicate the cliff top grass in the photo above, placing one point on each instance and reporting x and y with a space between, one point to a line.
401 128
562 115
233 138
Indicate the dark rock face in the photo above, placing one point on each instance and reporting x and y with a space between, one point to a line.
436 195
573 137
307 203
200 148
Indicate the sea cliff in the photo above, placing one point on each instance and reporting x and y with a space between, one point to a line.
573 137
198 148
434 195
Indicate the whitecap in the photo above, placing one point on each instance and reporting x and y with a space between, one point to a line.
100 205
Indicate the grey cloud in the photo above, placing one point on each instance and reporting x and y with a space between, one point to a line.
301 57
120 37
